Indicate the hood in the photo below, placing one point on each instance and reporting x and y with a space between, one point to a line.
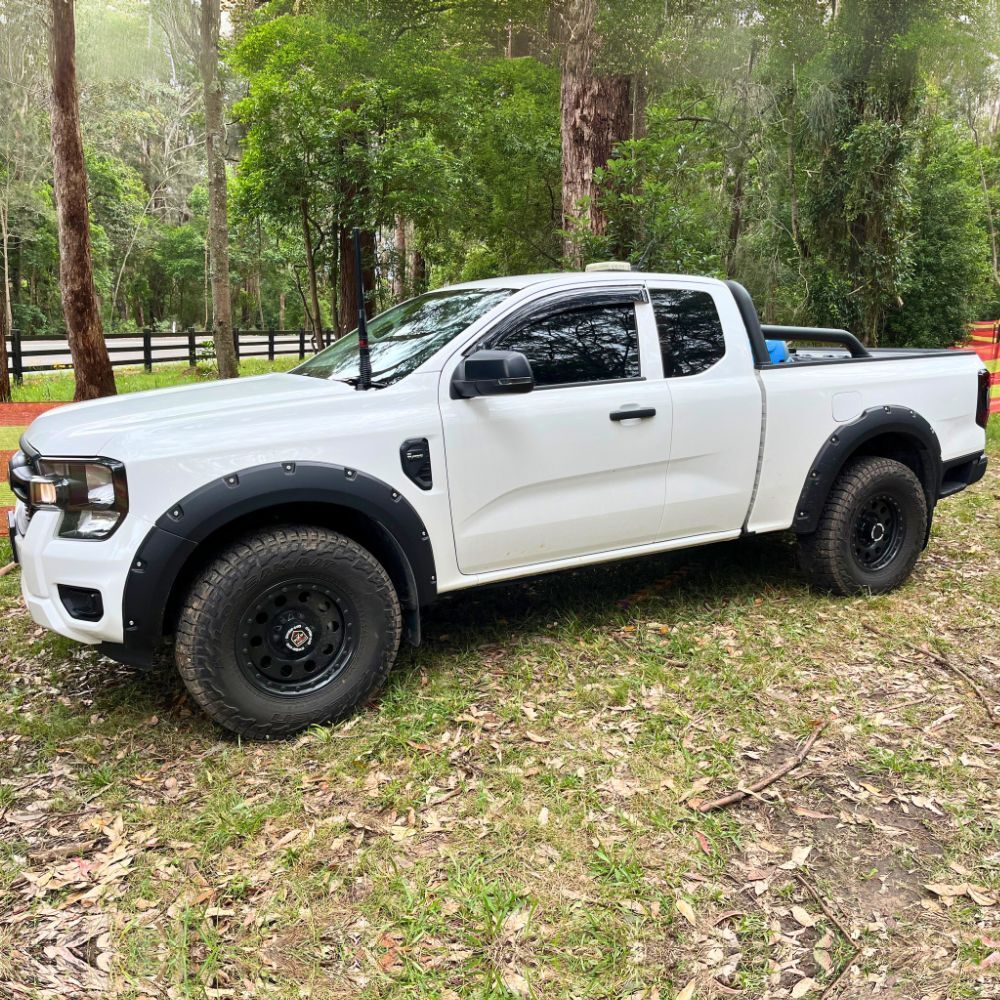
100 427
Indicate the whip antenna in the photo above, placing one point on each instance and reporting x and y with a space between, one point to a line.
364 357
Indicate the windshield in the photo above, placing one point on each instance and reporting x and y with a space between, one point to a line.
403 337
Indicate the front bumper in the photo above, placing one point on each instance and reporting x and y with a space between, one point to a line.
48 561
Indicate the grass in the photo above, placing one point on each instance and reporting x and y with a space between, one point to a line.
55 387
511 817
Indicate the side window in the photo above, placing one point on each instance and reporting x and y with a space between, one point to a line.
583 344
691 337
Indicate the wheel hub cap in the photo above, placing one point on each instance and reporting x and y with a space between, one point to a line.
298 638
878 532
295 637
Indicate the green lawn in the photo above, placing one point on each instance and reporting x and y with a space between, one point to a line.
58 386
510 818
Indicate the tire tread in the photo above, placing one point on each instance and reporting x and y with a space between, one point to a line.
820 553
246 558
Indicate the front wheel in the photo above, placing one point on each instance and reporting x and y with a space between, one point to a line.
871 530
287 627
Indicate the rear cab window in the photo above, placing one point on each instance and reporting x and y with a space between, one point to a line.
690 330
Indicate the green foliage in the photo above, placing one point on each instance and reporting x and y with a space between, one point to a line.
949 273
844 166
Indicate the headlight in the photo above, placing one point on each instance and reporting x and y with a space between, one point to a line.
92 493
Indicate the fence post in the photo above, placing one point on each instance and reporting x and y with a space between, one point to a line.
270 343
302 342
147 349
15 357
236 343
192 348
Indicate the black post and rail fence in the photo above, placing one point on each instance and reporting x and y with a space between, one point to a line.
26 354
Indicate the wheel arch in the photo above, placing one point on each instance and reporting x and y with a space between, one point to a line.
894 432
188 534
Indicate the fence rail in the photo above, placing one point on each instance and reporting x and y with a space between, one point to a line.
148 347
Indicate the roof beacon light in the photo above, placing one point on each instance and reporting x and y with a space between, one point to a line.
364 358
609 265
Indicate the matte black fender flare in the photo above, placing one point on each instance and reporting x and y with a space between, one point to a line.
196 517
845 441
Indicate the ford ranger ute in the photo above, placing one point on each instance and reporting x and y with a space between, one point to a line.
282 533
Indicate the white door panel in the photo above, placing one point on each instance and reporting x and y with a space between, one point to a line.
715 443
548 474
714 451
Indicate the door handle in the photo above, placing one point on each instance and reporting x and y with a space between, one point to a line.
640 413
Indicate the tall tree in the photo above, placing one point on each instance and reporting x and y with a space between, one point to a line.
92 367
218 226
596 114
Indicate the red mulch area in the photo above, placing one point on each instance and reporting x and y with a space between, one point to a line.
21 414
16 415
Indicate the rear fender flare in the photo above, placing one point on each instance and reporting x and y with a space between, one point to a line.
848 439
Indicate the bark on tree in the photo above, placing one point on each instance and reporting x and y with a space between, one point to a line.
597 112
399 260
418 273
347 318
218 226
91 365
6 313
315 314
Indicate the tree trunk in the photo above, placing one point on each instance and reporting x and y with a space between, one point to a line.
281 310
91 364
208 288
6 313
735 220
399 261
597 112
315 315
418 273
218 225
348 316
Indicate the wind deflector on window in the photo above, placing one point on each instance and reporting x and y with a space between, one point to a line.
560 302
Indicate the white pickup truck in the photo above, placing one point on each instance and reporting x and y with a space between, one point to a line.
285 531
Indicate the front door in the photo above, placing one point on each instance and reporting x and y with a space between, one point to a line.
562 471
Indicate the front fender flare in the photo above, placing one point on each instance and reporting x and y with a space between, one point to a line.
196 517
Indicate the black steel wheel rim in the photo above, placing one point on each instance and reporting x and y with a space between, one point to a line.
295 637
878 532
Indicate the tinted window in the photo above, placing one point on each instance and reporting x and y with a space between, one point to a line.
586 344
405 336
691 338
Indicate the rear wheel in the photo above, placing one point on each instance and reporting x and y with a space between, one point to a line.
871 530
285 628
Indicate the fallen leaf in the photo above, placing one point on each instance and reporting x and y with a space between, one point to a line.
823 960
516 983
516 921
687 992
804 986
799 855
803 916
685 909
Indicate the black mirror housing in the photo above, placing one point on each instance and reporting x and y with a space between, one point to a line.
492 373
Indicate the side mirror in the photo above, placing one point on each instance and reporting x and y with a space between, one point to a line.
492 373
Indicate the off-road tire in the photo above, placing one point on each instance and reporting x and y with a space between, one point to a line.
211 616
829 556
